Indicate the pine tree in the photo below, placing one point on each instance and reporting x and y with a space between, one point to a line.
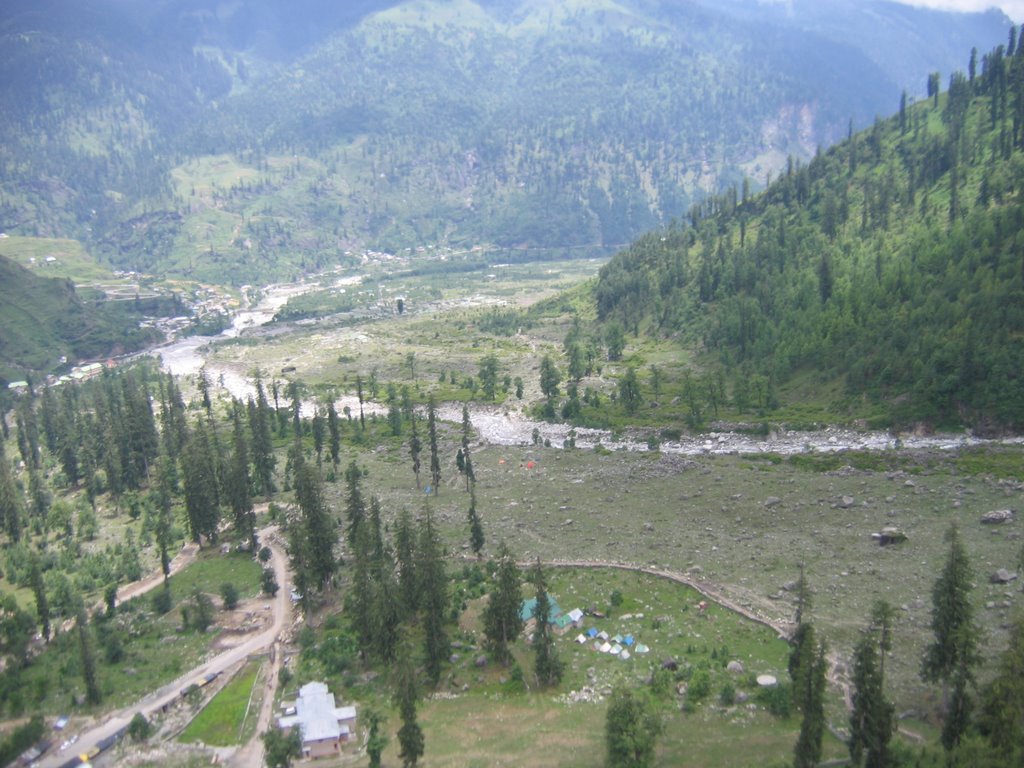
1001 715
319 433
237 480
11 514
502 619
405 555
163 494
319 531
201 492
376 739
334 432
871 721
548 667
39 591
355 505
435 461
476 530
433 597
359 605
262 441
631 731
410 735
92 688
415 447
811 701
954 650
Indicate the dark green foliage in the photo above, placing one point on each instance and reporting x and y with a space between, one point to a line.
951 657
202 494
197 614
139 727
229 596
433 597
262 446
88 659
377 739
548 667
809 690
1001 710
410 735
16 629
313 536
280 749
476 529
631 731
872 720
268 582
502 621
162 600
435 460
21 738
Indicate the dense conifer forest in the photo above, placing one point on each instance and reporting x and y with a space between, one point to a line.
892 262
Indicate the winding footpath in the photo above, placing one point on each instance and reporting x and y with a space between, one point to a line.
155 701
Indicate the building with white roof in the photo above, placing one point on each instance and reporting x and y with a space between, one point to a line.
322 725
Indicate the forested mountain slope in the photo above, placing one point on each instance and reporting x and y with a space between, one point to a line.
239 143
43 319
893 262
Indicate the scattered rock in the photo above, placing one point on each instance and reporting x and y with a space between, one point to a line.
735 667
454 658
1002 576
997 517
889 535
846 502
648 527
772 501
742 697
480 661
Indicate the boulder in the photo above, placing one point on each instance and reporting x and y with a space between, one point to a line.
997 517
1002 576
735 667
889 535
846 502
772 501
480 661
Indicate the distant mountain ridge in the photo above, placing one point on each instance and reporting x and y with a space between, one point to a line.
553 127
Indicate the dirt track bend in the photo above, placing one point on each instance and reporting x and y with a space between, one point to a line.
153 702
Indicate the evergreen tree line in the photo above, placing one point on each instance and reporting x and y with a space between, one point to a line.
892 261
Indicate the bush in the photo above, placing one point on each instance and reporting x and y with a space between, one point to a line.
162 601
727 696
229 594
264 555
777 699
139 728
268 582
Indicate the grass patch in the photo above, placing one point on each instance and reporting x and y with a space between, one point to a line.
213 569
220 723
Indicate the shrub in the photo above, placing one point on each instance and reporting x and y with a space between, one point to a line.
162 601
229 594
139 728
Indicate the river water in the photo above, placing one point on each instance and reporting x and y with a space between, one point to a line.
510 426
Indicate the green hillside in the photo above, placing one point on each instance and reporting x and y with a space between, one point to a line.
43 319
892 264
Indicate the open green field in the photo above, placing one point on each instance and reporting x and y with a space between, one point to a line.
222 721
741 526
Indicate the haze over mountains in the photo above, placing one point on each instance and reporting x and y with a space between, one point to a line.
249 141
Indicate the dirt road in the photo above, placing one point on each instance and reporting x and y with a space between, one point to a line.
153 702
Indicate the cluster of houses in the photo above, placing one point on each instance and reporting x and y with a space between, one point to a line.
322 725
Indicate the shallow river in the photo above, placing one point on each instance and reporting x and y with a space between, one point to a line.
498 425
